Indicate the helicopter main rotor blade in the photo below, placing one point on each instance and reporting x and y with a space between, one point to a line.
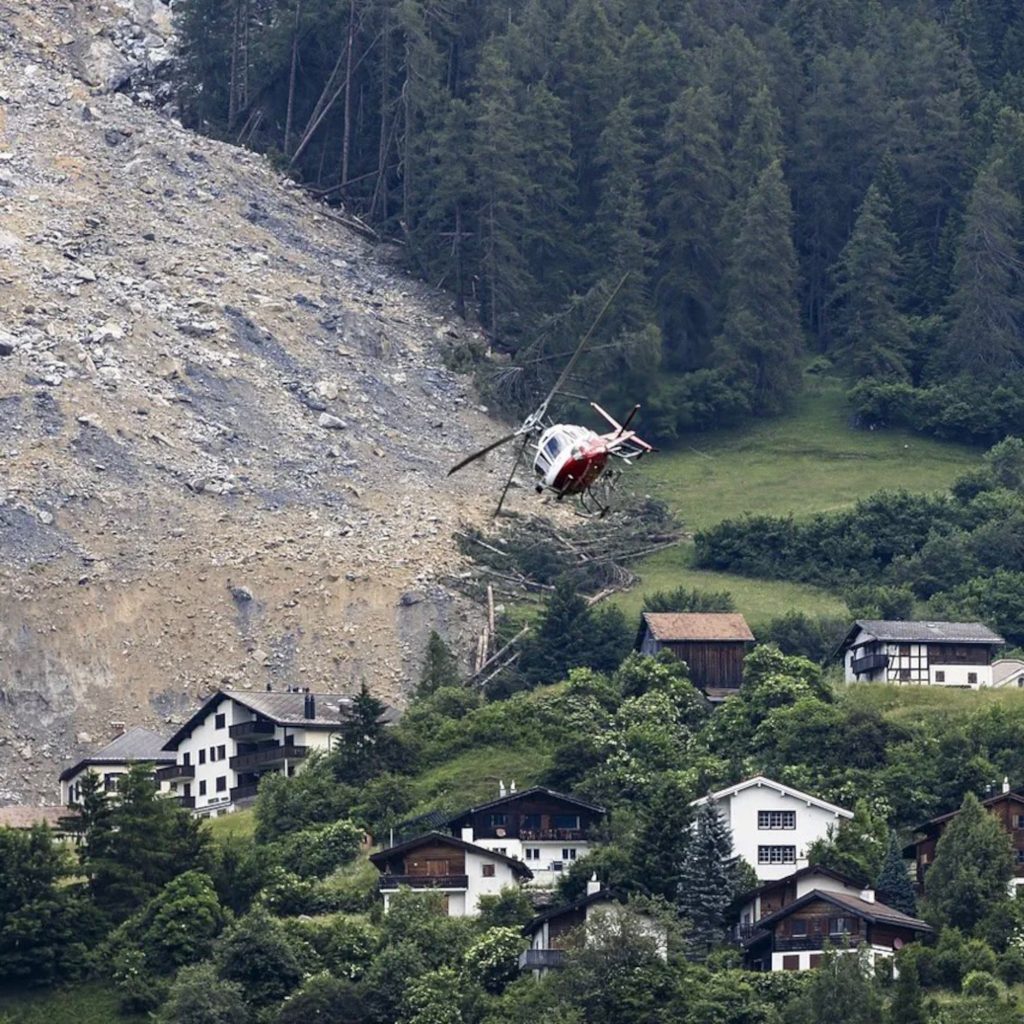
512 472
564 375
483 451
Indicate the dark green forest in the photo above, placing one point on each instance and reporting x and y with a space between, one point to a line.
784 181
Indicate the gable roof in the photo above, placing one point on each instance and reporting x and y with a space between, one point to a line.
1011 795
20 816
670 627
811 869
282 707
875 912
519 794
135 745
570 908
893 630
381 857
779 787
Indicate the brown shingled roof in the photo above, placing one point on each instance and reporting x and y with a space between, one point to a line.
26 817
677 626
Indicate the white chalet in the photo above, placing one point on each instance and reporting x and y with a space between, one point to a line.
1008 672
237 737
919 653
135 746
461 872
773 824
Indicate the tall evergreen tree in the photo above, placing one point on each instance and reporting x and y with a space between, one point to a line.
439 666
986 336
561 640
893 886
359 752
870 331
666 819
705 882
972 868
692 188
907 1006
760 343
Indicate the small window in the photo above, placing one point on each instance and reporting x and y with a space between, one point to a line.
110 783
530 821
776 855
839 926
202 787
904 674
791 962
1020 820
488 871
497 820
570 821
533 853
186 758
904 650
503 850
222 783
972 678
213 753
1020 856
568 853
940 676
814 960
202 755
218 721
798 927
776 819
221 752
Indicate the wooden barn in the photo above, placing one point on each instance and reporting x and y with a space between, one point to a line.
713 645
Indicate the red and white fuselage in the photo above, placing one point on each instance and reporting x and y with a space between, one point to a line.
569 458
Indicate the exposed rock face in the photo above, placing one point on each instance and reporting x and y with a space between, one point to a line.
217 454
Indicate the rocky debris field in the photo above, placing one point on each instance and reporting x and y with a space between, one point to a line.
224 423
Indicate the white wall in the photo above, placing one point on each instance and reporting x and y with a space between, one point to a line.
102 770
954 675
740 810
874 952
550 852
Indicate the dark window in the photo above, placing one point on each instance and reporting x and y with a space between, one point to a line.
1019 819
839 925
904 674
568 853
213 753
904 650
488 871
791 962
202 787
531 821
497 820
776 855
218 721
940 676
799 926
220 752
186 758
202 755
972 678
110 783
222 783
566 821
815 960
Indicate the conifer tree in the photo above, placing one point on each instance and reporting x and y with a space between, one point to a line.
692 186
907 1006
666 819
561 639
760 341
705 884
869 329
439 666
893 886
972 868
359 751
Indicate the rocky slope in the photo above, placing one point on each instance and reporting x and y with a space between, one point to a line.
223 419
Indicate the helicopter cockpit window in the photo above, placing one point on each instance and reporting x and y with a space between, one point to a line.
554 446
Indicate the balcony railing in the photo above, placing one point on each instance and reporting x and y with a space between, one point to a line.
243 792
538 959
267 757
869 663
804 942
174 772
186 801
424 881
560 835
256 727
743 932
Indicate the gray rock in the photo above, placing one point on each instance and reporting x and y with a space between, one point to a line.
329 422
241 594
7 344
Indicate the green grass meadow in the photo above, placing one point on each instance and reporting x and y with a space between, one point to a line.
90 1003
811 460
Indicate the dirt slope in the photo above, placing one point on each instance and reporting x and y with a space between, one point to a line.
223 420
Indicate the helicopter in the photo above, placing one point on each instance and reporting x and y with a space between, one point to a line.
569 459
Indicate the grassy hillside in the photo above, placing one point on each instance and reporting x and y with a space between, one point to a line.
811 460
90 1003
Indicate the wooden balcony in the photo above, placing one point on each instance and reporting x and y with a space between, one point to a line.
556 835
268 757
186 801
243 792
175 772
801 943
541 959
256 729
869 663
390 882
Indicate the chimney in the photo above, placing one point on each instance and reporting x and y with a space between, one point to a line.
309 706
467 833
1006 783
116 729
867 895
593 885
512 786
501 787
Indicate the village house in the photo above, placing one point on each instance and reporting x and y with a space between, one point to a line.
236 737
773 825
546 830
552 933
794 937
713 645
136 746
919 653
1006 806
1008 672
460 871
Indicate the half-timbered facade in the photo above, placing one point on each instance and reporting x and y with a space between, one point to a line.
773 825
919 653
1008 809
794 938
546 830
713 645
461 872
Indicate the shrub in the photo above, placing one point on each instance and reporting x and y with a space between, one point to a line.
981 984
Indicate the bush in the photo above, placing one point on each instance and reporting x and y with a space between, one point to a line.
981 984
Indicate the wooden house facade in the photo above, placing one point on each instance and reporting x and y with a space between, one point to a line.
713 645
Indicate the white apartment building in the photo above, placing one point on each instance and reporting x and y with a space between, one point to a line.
135 746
